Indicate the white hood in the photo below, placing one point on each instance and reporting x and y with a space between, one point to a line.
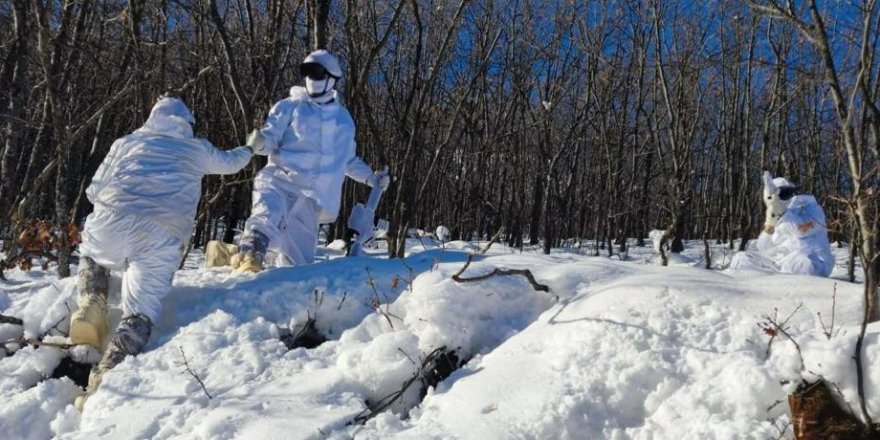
170 117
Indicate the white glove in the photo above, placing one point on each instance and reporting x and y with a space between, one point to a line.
257 141
380 179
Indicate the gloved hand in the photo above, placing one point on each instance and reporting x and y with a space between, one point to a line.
770 219
258 143
381 179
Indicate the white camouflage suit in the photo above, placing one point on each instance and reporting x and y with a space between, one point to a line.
313 149
798 243
145 194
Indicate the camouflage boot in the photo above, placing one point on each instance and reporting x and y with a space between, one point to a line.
251 252
130 339
88 324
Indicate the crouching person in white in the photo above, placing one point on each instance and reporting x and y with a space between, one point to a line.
794 239
310 137
145 195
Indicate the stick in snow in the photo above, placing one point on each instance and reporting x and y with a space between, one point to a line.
192 373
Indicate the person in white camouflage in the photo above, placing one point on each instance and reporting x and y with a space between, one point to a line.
145 194
310 138
794 238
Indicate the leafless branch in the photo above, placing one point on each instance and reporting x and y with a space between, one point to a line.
829 331
377 303
426 374
344 295
10 320
500 272
773 328
192 373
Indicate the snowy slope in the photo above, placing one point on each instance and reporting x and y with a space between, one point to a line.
618 349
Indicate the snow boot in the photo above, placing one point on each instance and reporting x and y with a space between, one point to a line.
247 262
251 252
219 254
130 339
88 324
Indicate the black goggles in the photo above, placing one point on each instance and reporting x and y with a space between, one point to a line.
314 71
787 192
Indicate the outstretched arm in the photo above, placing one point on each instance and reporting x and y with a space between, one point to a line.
226 161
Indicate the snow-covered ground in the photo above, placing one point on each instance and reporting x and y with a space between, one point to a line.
616 349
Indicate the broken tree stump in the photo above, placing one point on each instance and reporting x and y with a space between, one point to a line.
816 415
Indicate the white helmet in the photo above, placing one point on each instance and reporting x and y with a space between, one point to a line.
321 60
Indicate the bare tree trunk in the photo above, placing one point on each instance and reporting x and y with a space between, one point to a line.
51 61
13 128
319 12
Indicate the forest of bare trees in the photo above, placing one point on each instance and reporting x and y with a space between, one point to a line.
555 120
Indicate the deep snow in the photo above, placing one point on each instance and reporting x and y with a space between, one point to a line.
627 350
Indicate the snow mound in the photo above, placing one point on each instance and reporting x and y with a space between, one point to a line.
40 412
616 350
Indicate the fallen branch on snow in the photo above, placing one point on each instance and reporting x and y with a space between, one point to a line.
10 320
437 366
498 272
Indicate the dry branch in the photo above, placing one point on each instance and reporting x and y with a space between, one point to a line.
192 373
436 366
773 328
500 272
376 302
10 320
829 331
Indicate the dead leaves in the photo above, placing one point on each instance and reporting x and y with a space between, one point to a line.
42 235
41 238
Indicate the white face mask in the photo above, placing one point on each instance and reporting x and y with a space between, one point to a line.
320 87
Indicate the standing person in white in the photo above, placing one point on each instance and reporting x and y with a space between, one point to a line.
310 137
145 194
